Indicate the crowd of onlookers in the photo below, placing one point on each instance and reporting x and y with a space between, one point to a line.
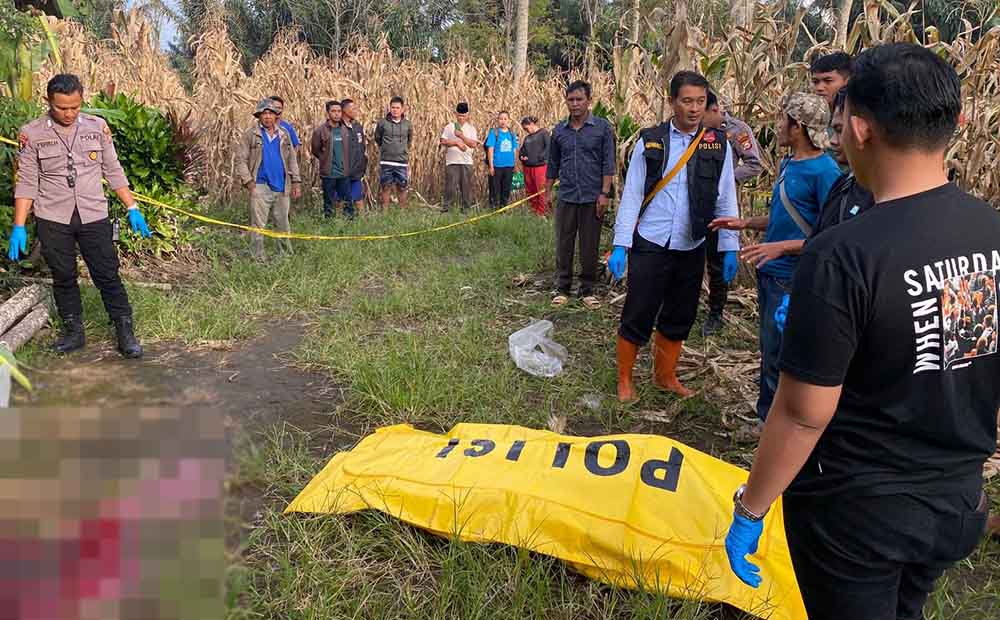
339 147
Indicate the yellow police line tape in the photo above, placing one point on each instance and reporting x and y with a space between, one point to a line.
302 236
274 234
290 235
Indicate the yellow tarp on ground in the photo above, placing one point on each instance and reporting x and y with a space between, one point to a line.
620 508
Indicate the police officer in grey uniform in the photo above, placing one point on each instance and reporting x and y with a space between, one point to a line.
748 166
63 158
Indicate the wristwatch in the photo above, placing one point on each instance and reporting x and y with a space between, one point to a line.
742 510
605 194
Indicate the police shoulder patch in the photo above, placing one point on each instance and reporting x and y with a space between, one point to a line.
745 140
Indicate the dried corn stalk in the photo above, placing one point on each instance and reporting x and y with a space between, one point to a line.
758 69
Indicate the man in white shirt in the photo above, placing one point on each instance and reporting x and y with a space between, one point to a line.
460 139
680 177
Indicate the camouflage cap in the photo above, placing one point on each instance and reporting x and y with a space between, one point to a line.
266 105
813 113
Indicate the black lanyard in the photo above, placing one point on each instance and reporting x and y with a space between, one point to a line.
69 147
70 168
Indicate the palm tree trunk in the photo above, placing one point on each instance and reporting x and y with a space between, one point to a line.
521 39
741 12
843 17
337 13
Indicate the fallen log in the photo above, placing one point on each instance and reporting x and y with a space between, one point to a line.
161 286
19 304
27 328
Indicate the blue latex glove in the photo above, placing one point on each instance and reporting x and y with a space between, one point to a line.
617 262
138 222
730 265
18 242
781 313
741 541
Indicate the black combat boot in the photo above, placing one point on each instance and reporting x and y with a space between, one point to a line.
72 336
128 345
713 324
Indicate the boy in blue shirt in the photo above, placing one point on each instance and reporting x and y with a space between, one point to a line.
804 181
501 154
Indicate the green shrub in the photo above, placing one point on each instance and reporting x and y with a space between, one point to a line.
14 113
153 160
154 164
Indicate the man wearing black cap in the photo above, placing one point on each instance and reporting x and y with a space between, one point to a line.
460 141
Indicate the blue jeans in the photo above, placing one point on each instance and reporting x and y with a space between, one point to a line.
770 290
334 191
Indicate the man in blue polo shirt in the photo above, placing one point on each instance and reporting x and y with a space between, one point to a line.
280 106
267 165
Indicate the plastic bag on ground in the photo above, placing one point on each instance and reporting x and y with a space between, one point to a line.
535 352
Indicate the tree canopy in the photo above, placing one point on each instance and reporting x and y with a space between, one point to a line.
561 33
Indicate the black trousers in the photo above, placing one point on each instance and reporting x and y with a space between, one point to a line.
500 184
577 220
663 288
877 558
59 242
718 290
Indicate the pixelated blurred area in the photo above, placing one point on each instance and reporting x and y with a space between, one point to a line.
224 376
111 514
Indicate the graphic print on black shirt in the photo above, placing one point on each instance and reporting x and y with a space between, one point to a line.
969 317
959 322
899 307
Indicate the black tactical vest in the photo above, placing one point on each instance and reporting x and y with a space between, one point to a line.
704 170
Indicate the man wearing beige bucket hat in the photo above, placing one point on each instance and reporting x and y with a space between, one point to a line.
805 178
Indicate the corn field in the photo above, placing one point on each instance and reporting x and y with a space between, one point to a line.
751 68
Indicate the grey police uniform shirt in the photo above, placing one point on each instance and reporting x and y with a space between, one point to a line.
44 164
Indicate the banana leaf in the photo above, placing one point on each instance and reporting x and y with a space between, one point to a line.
7 359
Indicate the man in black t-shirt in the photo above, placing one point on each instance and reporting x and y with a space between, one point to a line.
847 198
878 435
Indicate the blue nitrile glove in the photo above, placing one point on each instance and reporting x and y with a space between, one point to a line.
781 313
18 242
730 265
741 541
138 222
616 263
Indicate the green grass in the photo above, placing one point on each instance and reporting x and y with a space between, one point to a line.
416 331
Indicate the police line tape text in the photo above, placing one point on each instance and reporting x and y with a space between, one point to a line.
655 472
